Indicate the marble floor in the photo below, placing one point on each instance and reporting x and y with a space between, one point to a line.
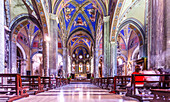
77 93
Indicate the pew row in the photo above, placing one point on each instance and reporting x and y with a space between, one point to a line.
145 93
117 84
120 83
11 87
161 95
47 82
33 83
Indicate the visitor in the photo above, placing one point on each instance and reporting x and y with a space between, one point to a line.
138 78
60 72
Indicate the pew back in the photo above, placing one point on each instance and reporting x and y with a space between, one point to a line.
33 83
159 84
11 87
120 83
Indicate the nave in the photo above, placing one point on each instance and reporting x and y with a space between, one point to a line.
77 92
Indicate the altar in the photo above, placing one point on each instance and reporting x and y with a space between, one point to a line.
81 76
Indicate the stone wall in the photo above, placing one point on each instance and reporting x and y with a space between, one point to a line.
159 38
167 33
2 39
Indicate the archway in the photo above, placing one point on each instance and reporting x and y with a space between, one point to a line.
19 60
129 41
60 59
100 66
37 64
80 50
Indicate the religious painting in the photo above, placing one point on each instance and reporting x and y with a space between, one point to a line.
80 67
129 69
92 11
87 67
80 22
67 11
73 67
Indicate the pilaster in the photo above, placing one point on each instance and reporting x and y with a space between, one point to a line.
113 58
13 57
2 39
53 44
46 58
65 59
157 37
106 48
96 62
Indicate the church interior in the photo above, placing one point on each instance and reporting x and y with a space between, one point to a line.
84 50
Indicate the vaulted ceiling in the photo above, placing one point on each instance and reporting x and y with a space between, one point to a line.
75 15
80 15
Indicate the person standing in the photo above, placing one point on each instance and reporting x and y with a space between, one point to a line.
60 72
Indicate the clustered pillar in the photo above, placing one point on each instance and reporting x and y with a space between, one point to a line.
106 49
2 39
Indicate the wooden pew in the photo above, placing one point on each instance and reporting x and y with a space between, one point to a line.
11 87
100 82
33 83
95 82
47 82
110 83
60 82
120 83
64 81
57 82
161 95
104 83
146 95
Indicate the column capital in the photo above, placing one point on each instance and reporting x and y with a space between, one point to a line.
106 18
53 17
64 48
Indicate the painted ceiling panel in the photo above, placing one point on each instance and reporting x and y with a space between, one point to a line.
84 40
28 26
80 1
122 32
68 12
80 51
29 36
36 29
80 22
59 26
91 12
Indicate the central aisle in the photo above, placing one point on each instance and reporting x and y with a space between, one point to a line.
77 93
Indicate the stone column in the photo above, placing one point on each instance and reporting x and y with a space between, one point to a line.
53 44
167 32
65 59
96 62
84 66
2 39
28 63
68 64
77 67
106 47
156 37
46 58
13 57
92 65
113 58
